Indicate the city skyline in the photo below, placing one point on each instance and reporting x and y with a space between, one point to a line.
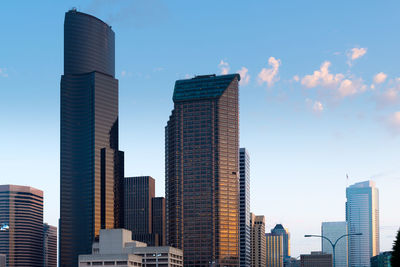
314 163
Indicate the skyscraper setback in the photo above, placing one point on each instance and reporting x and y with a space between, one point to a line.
90 164
202 144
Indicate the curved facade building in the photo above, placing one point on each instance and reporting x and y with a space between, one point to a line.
21 207
91 167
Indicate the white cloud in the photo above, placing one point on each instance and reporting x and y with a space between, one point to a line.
315 106
270 76
224 66
393 123
296 78
123 73
3 72
322 77
346 88
357 53
380 78
244 76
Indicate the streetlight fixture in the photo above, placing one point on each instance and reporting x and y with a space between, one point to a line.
333 244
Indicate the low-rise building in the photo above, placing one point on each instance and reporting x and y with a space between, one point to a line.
381 260
116 248
316 259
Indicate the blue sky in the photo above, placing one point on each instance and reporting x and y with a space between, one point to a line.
319 98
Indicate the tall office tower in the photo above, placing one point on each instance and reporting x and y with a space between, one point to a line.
280 230
275 250
202 172
3 258
258 241
139 192
244 208
333 231
362 216
90 163
49 245
21 209
158 219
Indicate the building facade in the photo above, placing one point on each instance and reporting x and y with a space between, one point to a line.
316 259
382 259
49 245
333 231
280 230
116 248
362 216
244 208
21 208
91 182
258 241
275 250
158 220
202 172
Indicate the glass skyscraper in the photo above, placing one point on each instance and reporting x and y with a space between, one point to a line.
244 208
202 172
362 216
333 231
91 167
21 209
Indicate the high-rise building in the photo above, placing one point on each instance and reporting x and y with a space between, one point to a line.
280 230
139 192
362 216
244 208
333 231
3 259
258 241
49 245
158 219
202 172
21 209
316 259
90 164
274 248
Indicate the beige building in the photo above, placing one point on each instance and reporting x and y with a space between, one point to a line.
258 245
116 248
274 250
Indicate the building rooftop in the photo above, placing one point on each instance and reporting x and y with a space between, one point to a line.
202 87
364 184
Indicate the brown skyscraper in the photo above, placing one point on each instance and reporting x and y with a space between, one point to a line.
202 144
21 209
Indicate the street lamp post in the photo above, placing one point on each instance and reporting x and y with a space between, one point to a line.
333 244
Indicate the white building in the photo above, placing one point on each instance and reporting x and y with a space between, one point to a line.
362 216
333 231
116 248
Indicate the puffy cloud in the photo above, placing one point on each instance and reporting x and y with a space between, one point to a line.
357 53
347 87
3 72
123 73
296 78
224 66
244 76
270 76
322 77
389 96
393 123
380 78
315 106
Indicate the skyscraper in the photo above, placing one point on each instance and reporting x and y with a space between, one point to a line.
362 216
21 208
90 164
202 172
49 245
244 208
258 241
274 250
158 219
280 230
333 231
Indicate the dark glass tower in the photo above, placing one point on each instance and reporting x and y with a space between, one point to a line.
202 172
91 165
21 208
244 208
158 219
139 192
